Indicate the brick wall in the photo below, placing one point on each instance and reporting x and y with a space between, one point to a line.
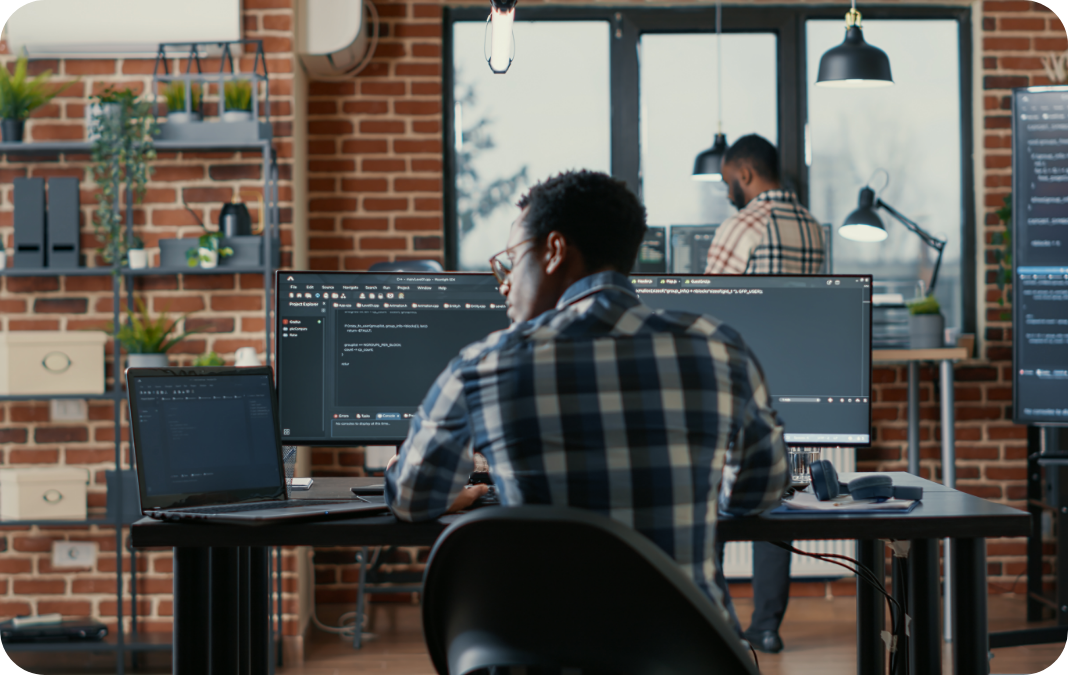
374 193
229 309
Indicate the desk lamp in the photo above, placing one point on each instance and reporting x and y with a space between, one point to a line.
864 225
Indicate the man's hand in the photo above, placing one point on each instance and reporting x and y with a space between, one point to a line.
467 497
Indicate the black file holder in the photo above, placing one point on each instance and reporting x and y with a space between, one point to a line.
64 244
29 223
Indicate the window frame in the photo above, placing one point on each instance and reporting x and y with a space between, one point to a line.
627 24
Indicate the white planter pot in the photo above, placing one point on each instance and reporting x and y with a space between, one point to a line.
138 258
926 331
3 259
209 257
182 117
147 361
237 116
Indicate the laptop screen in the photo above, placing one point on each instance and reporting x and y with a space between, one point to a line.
205 438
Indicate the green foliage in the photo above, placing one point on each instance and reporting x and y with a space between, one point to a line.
927 305
20 96
143 334
210 241
238 95
121 152
1001 248
209 359
174 92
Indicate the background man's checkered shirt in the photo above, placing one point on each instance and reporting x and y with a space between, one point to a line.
607 405
773 234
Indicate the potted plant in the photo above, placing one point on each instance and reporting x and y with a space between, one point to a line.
122 150
174 92
208 250
926 324
137 256
209 359
237 96
147 339
19 97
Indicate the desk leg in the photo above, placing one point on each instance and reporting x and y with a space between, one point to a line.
971 646
244 626
225 613
191 609
260 611
914 418
949 479
925 646
871 652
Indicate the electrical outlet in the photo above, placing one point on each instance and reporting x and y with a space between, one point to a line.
69 409
73 554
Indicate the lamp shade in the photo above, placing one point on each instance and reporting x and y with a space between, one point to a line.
864 224
854 63
708 165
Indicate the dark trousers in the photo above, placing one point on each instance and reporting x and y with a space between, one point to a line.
771 585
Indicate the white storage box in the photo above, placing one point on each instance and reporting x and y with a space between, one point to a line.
43 494
52 362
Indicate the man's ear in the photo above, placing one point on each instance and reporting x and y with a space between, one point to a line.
555 252
745 173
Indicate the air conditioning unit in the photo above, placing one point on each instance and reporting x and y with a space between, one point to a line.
118 28
336 38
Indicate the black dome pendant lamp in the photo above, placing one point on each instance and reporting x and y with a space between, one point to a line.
709 164
854 63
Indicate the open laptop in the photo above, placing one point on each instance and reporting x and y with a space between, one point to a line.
207 448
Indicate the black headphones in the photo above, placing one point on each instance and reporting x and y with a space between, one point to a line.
877 486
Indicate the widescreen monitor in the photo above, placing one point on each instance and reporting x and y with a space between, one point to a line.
357 351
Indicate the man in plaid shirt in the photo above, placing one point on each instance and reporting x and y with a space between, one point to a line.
591 399
772 233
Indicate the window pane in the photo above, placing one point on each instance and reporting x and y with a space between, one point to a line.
679 114
549 113
912 130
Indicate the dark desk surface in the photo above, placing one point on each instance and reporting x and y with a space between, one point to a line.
944 512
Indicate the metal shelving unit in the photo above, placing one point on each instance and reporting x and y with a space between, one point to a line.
121 643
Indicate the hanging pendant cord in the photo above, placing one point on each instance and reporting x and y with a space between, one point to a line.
719 67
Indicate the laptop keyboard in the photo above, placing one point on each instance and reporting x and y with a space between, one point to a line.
240 508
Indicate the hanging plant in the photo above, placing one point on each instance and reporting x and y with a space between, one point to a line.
122 149
1001 245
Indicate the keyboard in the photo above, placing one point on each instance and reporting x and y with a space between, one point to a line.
261 506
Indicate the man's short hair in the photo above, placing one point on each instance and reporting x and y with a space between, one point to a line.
758 152
594 212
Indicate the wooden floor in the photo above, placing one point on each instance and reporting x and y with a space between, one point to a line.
819 634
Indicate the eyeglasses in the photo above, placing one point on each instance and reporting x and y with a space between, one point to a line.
502 264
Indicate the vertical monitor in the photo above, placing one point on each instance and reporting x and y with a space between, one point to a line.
811 335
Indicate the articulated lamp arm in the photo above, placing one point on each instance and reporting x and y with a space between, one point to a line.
928 238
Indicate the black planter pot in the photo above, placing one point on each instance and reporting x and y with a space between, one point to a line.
12 130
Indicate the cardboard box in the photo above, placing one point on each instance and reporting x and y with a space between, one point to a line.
52 362
43 494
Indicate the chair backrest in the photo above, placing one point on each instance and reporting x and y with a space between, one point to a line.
408 266
557 587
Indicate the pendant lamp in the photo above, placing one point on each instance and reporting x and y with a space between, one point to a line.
854 63
708 165
501 47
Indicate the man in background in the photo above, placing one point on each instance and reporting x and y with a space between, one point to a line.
772 233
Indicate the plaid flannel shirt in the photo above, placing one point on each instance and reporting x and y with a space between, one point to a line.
607 405
773 234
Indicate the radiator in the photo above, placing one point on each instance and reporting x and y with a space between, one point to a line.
738 555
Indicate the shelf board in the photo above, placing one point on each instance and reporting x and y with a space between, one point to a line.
83 147
55 271
124 271
153 271
45 397
55 523
150 642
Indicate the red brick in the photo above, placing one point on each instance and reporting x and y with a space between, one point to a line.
383 243
365 224
206 282
417 107
427 146
998 44
236 172
332 166
330 127
213 325
41 324
177 304
364 185
408 30
1006 473
330 244
61 435
1058 44
998 433
427 204
380 204
57 132
16 566
417 185
229 346
1004 81
32 284
389 50
426 165
277 22
365 107
13 435
383 165
426 126
392 10
202 194
329 204
418 70
363 146
39 586
60 305
426 11
1007 6
29 412
382 127
89 66
426 243
379 88
73 456
236 303
426 51
138 66
33 457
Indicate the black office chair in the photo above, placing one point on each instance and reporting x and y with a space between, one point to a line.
550 588
407 266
